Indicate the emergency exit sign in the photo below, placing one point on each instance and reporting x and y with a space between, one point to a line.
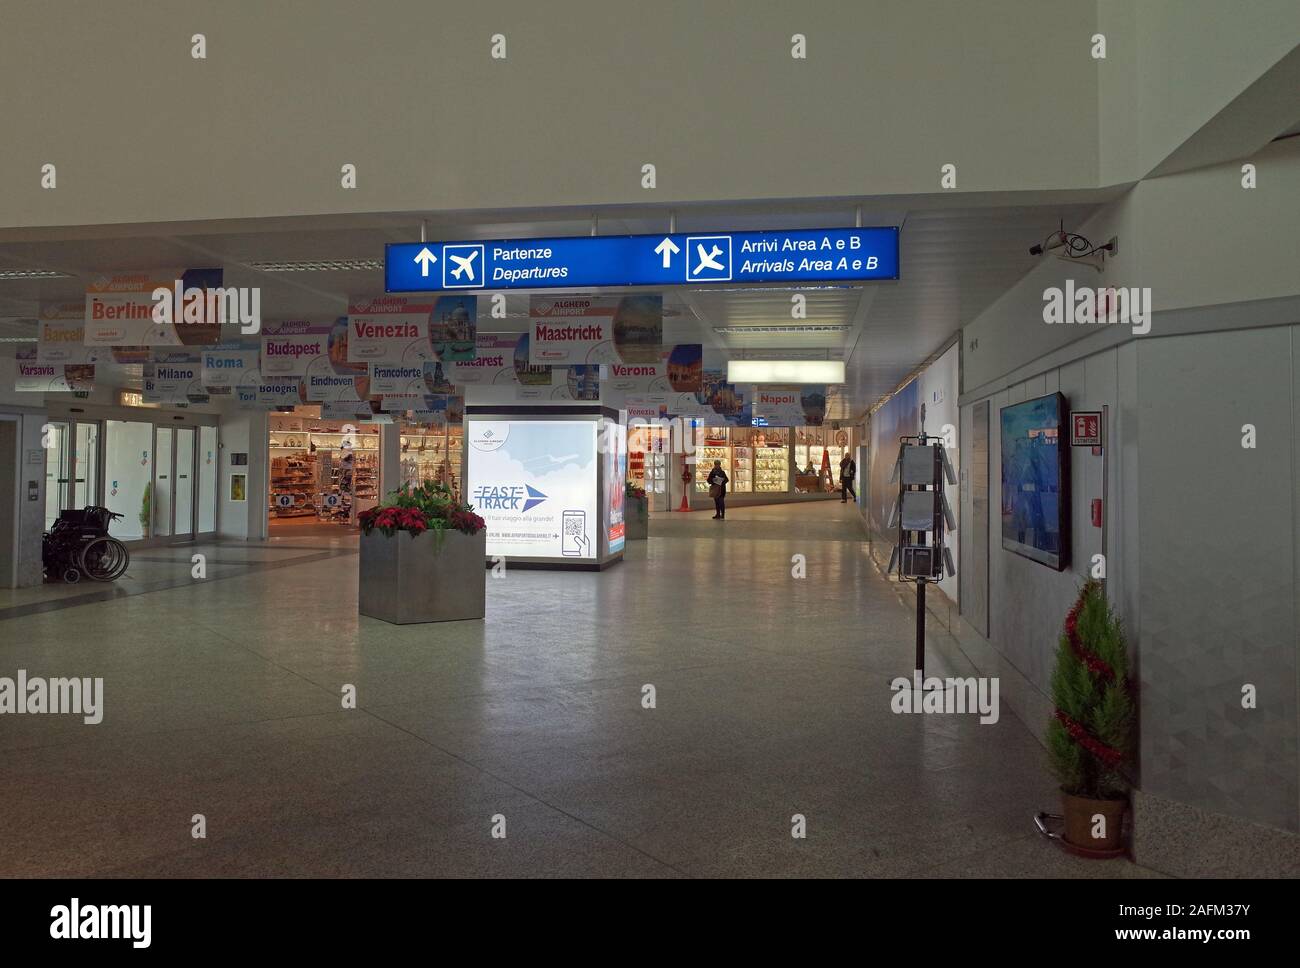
1085 428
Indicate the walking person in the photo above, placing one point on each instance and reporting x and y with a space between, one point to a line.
718 481
848 471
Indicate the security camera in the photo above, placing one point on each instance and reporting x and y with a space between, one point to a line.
1076 248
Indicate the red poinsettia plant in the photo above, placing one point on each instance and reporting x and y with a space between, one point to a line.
635 491
418 508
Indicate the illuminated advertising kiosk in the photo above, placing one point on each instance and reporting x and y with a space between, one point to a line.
549 482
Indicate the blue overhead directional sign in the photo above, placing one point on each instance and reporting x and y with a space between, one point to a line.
804 256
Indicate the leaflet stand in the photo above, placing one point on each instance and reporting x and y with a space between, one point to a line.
921 514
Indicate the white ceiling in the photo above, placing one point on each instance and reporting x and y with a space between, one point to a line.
955 263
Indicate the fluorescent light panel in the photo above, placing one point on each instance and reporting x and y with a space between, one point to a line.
782 330
32 274
785 371
323 265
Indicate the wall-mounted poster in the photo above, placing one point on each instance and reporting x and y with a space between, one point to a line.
1036 481
239 487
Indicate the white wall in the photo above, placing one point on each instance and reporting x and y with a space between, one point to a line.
590 92
243 431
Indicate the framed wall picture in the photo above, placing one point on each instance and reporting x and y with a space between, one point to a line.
239 487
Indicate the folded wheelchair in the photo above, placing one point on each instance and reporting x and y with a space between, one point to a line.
79 545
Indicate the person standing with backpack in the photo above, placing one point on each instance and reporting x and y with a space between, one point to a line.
848 471
718 481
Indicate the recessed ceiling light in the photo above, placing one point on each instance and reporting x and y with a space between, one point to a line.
785 371
782 330
32 274
323 265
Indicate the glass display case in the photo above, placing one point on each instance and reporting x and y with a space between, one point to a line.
431 454
811 443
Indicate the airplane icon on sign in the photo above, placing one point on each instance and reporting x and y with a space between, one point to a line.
714 258
708 260
464 257
464 265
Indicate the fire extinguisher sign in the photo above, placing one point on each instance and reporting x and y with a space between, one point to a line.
1085 428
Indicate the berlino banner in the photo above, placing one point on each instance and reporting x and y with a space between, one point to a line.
120 308
596 329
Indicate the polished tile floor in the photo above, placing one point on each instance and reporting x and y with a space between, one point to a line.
223 697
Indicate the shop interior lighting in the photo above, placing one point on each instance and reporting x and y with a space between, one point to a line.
785 371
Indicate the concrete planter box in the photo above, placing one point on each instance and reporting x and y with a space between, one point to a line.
406 580
636 519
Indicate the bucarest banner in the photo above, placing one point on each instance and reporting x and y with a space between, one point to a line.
493 362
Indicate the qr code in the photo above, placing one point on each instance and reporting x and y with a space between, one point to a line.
573 526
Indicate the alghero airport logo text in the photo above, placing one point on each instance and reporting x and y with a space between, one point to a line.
204 307
29 695
102 922
1085 305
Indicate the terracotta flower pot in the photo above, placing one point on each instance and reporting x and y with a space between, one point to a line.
1084 818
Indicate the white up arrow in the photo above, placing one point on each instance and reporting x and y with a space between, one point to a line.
425 258
667 248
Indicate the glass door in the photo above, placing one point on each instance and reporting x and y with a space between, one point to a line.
71 467
184 483
163 480
207 480
85 464
58 470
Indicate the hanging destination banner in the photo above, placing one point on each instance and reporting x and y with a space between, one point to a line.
832 256
33 376
596 329
493 362
120 308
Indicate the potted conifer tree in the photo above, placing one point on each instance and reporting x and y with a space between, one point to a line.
1090 736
